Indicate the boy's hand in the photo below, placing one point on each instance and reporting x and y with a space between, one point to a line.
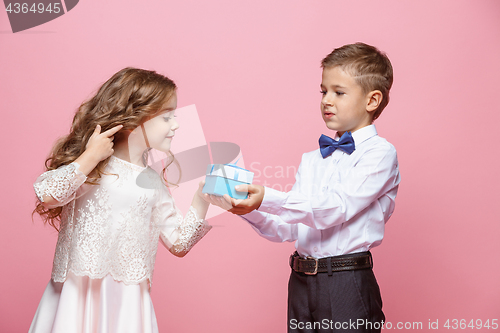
239 206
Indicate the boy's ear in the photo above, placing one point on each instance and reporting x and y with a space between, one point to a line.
374 98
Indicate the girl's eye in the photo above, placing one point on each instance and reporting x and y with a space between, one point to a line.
339 93
322 92
169 118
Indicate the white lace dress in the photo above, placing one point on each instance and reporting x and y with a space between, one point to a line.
106 250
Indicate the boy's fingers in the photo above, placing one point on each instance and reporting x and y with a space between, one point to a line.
252 188
233 202
241 188
248 188
239 211
237 202
112 131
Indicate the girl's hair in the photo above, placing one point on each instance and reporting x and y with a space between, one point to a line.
129 98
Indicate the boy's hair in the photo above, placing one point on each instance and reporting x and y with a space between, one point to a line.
370 67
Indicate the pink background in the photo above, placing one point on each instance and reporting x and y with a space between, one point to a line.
252 70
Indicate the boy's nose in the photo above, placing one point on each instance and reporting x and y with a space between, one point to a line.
326 100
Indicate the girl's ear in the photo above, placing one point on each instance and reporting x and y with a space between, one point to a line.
374 98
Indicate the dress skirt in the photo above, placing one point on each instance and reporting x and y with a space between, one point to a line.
85 305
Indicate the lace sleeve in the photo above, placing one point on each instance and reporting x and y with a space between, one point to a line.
61 184
188 231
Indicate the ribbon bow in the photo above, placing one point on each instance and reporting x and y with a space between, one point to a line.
327 145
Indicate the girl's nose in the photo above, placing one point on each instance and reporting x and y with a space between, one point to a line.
175 126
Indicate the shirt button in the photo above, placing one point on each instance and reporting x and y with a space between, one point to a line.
315 249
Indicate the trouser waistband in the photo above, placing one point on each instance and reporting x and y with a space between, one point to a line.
347 262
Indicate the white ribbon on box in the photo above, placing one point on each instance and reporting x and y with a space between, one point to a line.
230 172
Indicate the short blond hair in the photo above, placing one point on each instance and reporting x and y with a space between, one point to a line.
370 67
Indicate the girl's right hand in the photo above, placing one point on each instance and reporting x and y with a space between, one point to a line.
100 145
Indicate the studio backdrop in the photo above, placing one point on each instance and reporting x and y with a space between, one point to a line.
249 73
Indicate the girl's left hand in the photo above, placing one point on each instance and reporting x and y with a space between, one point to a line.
200 189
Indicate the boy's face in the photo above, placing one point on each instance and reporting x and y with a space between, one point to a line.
344 104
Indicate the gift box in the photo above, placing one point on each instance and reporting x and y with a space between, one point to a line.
221 179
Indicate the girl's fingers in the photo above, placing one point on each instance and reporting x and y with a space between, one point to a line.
230 201
227 204
218 201
97 130
112 131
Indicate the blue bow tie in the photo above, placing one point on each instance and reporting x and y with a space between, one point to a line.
327 145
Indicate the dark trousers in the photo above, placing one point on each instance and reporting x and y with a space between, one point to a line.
347 301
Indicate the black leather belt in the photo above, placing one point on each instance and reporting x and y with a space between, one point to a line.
347 262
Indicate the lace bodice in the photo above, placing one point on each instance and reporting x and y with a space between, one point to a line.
114 227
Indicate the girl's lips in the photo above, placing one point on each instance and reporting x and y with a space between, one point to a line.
328 114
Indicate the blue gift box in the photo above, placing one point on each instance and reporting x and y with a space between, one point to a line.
221 179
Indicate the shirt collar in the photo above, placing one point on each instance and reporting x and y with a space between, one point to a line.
361 135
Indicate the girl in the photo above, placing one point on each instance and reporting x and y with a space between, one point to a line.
112 209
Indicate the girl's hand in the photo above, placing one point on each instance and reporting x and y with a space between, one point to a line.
200 189
198 203
222 202
100 145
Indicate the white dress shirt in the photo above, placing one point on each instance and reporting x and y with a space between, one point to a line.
338 204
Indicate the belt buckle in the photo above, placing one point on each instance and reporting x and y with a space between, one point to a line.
315 266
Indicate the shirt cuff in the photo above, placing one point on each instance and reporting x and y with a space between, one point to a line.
254 217
273 201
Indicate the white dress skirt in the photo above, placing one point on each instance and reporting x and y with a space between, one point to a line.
85 305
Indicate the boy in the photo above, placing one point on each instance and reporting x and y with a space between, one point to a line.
343 195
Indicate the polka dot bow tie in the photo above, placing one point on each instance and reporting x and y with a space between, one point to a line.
327 145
